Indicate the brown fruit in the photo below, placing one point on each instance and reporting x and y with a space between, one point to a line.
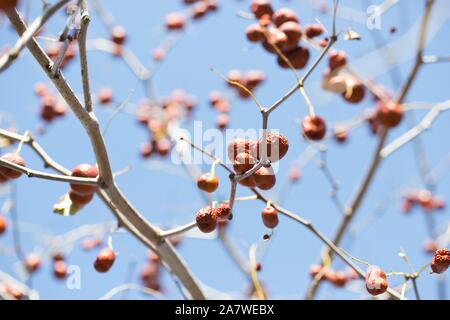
284 15
60 269
270 217
175 21
265 178
277 146
248 182
261 7
222 212
314 127
84 171
3 224
298 58
206 220
292 30
208 182
32 263
104 260
341 134
376 281
389 113
313 30
118 35
199 10
314 270
340 279
255 33
6 5
238 145
105 95
243 162
337 59
222 121
10 173
355 90
80 200
441 260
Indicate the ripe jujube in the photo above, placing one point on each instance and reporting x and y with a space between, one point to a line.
277 146
314 128
105 259
206 219
208 182
376 281
243 162
265 178
80 200
441 260
389 113
84 171
270 217
10 173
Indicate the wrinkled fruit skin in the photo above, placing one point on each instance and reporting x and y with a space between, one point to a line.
10 173
354 92
314 128
222 212
206 220
104 260
376 282
208 182
243 162
265 178
298 57
441 260
238 145
261 7
277 146
84 171
270 217
389 114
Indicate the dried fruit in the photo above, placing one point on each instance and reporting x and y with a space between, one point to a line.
222 212
277 146
10 173
298 57
243 162
283 15
314 127
60 269
80 200
206 219
376 281
265 178
237 146
313 30
355 90
84 171
255 33
104 260
441 260
260 8
389 113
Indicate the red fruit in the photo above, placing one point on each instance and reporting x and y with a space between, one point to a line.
222 212
118 35
255 33
163 146
105 95
243 162
6 5
314 270
199 10
84 171
235 76
60 269
104 260
248 182
314 127
341 134
253 78
270 217
355 90
57 256
153 257
80 200
298 58
3 224
389 113
376 281
40 89
430 246
340 279
215 97
206 219
147 149
10 173
150 273
238 145
261 8
159 54
313 30
292 30
284 15
32 263
175 21
277 146
337 59
222 121
295 174
441 260
264 178
208 182
275 37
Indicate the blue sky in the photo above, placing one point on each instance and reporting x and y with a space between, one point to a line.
166 198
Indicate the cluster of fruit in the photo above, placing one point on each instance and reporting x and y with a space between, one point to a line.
281 29
156 117
82 194
199 9
50 107
7 174
207 218
424 199
222 105
338 278
250 80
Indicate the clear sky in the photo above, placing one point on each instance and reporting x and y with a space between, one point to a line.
166 196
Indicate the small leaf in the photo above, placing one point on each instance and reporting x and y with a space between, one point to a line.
351 35
65 207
